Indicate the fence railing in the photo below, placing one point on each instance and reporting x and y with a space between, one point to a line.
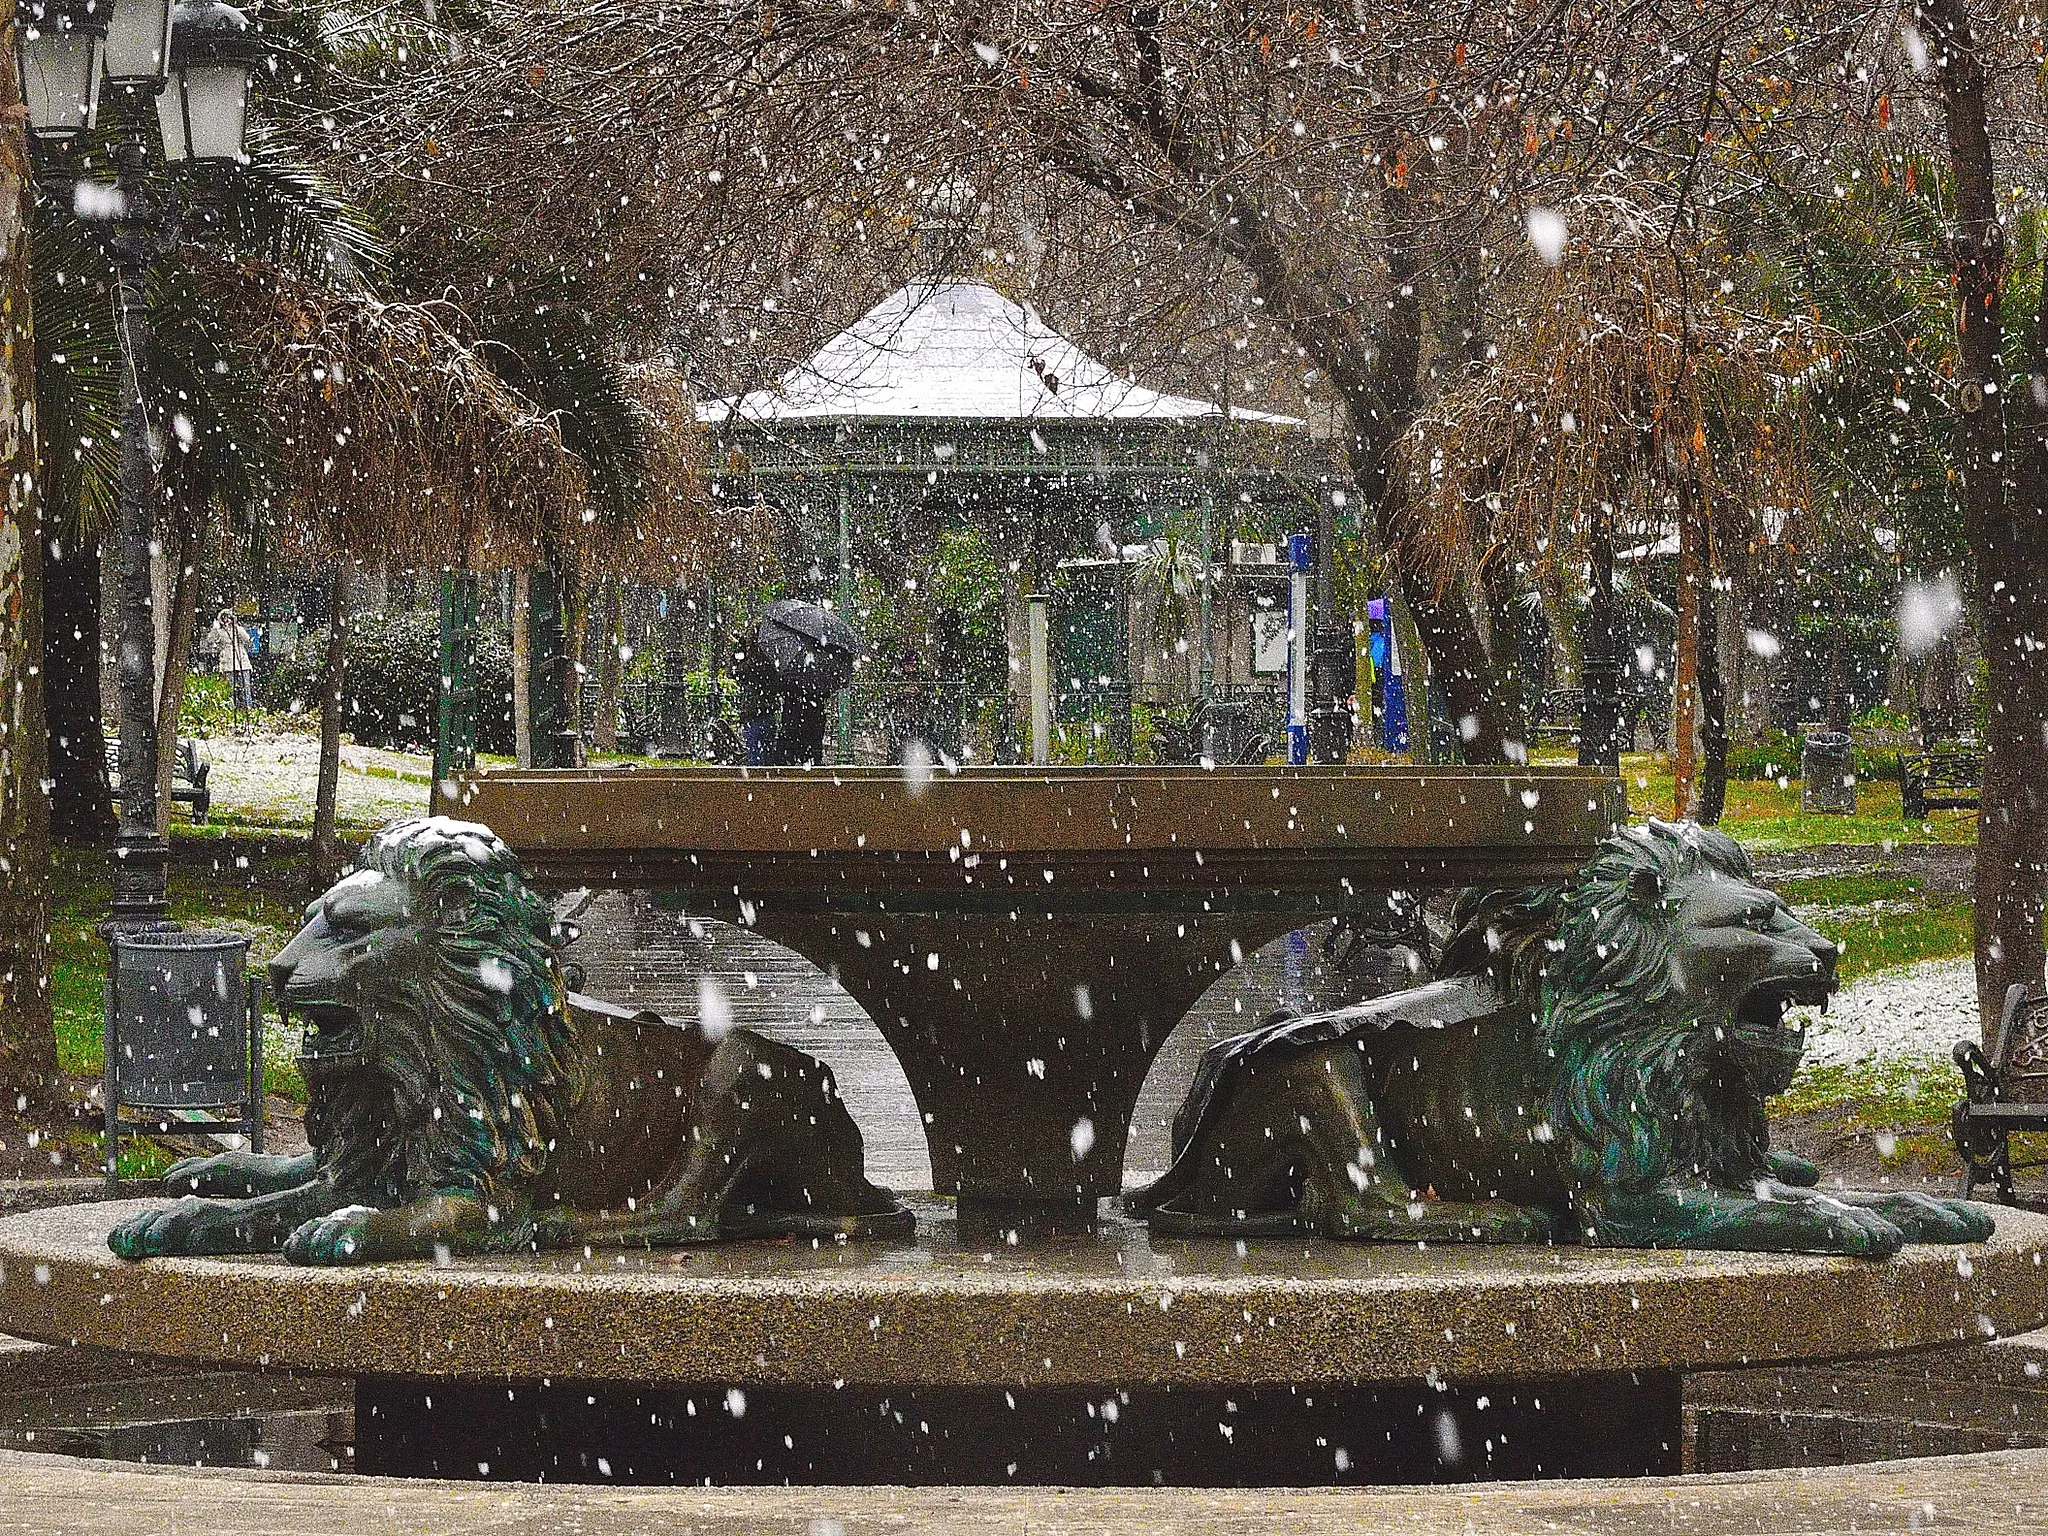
697 720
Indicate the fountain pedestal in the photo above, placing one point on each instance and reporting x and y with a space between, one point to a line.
1025 1101
1025 939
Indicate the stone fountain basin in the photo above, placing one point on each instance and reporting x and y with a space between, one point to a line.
1118 1306
803 837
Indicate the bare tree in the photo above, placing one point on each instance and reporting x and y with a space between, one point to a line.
2002 460
28 1048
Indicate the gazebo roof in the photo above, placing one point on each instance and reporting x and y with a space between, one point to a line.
953 350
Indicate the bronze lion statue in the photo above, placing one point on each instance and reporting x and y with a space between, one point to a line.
460 1100
1593 1067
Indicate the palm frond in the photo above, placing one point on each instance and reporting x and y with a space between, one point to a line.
76 361
278 210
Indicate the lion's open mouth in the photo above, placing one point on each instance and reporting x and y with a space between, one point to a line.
1762 1009
334 1036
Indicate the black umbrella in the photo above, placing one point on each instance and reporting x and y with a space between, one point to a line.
806 648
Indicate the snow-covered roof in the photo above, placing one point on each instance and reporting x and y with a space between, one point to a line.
955 350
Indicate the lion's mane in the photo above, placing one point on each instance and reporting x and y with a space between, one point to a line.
469 1073
1641 1089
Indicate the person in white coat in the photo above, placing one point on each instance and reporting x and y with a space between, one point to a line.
236 658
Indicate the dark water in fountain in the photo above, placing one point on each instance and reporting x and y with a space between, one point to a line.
88 1403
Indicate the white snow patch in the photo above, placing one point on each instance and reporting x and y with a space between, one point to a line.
1918 1012
950 348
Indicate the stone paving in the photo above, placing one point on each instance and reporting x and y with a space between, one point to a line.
2002 1492
1917 1013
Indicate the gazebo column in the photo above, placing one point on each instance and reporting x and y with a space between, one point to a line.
1016 643
845 497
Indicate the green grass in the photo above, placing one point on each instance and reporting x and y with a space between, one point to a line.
1877 1095
1884 938
1882 920
1765 817
1903 1106
241 894
1853 890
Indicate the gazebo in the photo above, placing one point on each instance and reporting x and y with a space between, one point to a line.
949 404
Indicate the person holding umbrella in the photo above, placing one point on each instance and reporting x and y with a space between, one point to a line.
799 655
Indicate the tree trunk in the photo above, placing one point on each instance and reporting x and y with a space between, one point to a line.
1685 691
1742 673
1713 691
1561 619
1504 649
575 598
28 1047
1459 668
1599 666
177 667
1838 662
2007 531
610 666
81 798
326 863
522 682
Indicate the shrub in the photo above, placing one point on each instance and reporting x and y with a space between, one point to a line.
209 706
1885 717
393 683
1777 756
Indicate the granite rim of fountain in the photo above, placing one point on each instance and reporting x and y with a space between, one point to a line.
1119 1307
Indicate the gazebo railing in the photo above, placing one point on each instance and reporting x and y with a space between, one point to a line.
697 720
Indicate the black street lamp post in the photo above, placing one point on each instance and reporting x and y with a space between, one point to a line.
141 856
195 60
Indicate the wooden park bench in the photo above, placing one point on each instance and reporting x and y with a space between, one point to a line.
188 776
1942 780
1558 714
2004 1092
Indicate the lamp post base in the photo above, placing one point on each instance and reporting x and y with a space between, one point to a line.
141 884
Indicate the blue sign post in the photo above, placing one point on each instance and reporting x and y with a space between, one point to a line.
1297 649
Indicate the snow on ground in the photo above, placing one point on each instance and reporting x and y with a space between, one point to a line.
1918 1012
269 780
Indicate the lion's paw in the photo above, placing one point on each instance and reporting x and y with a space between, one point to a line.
237 1175
1859 1233
1791 1168
190 1226
339 1237
1931 1219
217 1174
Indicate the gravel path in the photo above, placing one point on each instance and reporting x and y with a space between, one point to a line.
1916 1013
1942 869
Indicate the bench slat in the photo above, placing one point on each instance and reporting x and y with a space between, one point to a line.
2007 1111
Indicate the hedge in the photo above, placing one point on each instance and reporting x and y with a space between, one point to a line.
393 683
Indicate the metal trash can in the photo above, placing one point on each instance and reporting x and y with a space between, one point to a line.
1827 775
184 1036
1225 727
